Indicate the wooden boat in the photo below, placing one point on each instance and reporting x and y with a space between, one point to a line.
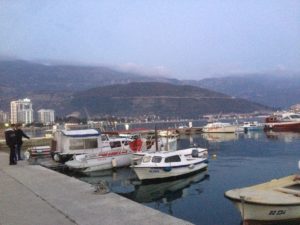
219 127
283 122
167 164
275 201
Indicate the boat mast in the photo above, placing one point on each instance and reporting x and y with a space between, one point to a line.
156 140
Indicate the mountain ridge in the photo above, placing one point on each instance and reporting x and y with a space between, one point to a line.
55 86
161 99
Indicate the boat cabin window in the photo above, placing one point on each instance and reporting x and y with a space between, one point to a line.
295 116
156 159
125 142
295 187
174 158
104 138
115 144
146 159
76 144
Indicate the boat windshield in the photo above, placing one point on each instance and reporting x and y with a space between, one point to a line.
77 144
156 159
173 158
295 116
115 144
146 159
295 187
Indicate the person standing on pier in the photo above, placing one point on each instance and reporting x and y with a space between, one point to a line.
11 141
19 135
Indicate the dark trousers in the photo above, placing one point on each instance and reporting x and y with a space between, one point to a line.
18 151
12 155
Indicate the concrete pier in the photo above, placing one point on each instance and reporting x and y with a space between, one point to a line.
34 195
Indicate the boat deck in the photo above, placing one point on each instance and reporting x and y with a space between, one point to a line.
284 191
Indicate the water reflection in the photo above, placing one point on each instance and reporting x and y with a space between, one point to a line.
225 137
283 136
124 182
117 180
254 135
166 191
220 137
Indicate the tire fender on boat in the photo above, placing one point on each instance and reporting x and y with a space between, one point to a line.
56 157
167 169
114 163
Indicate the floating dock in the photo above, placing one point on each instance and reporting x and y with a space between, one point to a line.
32 194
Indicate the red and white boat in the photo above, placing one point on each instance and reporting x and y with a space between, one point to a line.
287 121
69 143
88 150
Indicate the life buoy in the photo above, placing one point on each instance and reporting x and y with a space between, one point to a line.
167 169
114 163
136 145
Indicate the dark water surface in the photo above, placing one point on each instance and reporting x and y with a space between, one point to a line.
235 160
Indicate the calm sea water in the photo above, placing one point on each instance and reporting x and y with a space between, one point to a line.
235 160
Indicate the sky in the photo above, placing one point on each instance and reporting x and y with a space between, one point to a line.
184 39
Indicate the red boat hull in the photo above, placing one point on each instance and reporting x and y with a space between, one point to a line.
283 126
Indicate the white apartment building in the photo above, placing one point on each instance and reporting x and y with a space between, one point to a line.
46 116
21 111
3 117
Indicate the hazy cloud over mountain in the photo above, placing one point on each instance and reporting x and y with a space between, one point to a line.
184 39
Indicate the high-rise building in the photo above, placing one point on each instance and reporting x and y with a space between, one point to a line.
3 117
21 111
46 116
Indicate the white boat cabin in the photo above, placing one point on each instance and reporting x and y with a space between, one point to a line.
74 142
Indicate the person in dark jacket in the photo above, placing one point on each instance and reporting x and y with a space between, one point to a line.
11 141
19 135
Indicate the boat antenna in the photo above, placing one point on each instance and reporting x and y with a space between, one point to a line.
156 141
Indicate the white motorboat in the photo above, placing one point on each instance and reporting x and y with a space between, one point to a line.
275 201
167 164
219 127
118 155
67 143
86 163
252 126
286 121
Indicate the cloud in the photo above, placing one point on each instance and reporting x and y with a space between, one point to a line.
141 69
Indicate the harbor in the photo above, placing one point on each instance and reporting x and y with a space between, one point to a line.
162 167
150 113
235 160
